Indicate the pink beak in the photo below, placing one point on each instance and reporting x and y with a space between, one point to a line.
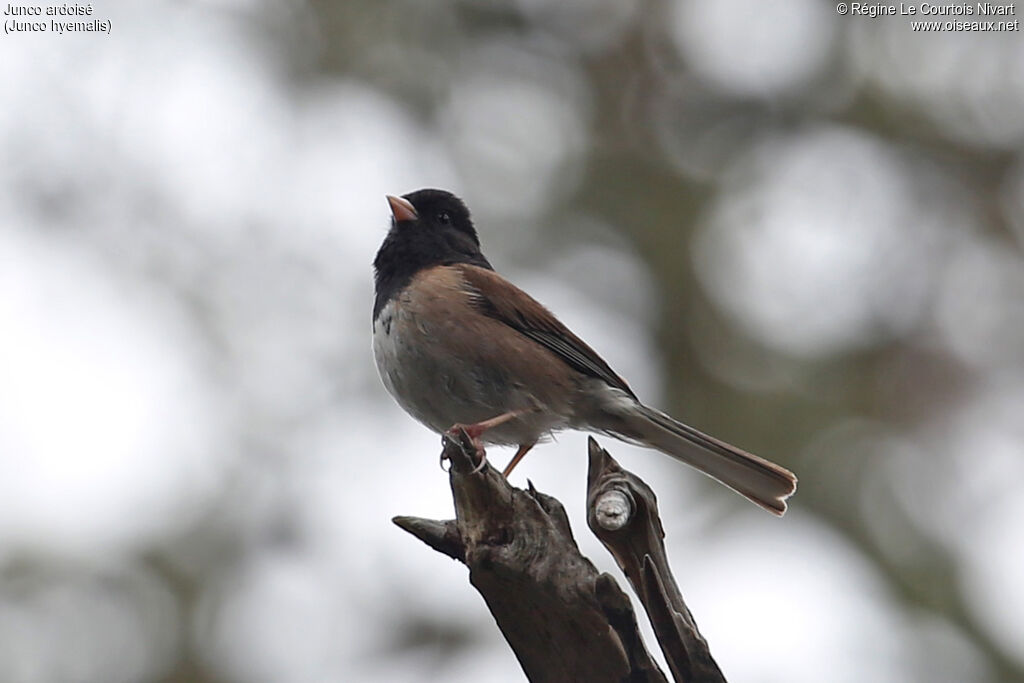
402 209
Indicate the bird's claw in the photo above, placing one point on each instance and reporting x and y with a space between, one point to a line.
483 461
453 434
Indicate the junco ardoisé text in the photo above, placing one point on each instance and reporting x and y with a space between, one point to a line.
457 344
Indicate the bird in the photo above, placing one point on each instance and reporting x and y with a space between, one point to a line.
460 347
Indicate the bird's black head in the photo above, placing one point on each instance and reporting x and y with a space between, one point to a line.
428 228
439 211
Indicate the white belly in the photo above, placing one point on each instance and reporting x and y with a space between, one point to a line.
386 349
414 376
440 390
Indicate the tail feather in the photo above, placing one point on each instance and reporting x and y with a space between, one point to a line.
760 481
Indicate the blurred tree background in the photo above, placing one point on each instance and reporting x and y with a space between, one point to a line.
799 231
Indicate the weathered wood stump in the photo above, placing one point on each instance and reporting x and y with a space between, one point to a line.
564 620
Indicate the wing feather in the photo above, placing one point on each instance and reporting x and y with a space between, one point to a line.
503 301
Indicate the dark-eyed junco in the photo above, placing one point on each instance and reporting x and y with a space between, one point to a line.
457 344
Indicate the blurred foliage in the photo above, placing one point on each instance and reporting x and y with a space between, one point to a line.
831 211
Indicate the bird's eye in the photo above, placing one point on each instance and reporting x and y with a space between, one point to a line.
444 218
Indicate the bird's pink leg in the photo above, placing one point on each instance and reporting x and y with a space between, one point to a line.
475 431
520 454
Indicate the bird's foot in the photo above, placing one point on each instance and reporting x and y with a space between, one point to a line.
473 433
476 430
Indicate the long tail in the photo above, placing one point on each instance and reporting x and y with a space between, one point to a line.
757 479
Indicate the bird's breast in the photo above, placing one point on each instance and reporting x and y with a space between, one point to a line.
445 362
417 366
